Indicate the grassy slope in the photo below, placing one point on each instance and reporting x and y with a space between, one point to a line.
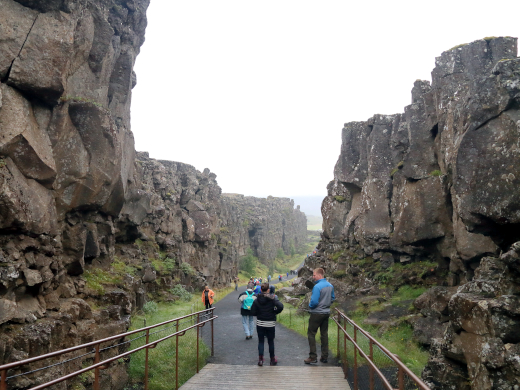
398 339
162 372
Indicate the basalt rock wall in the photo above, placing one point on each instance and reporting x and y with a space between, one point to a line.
89 228
438 180
439 183
262 224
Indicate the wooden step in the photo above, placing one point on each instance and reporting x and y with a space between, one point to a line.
227 376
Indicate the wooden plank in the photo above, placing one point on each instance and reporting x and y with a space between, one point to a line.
227 376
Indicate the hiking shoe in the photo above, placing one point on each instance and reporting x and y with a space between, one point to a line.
310 360
261 360
323 360
247 337
273 362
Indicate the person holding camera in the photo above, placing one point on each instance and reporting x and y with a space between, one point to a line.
319 310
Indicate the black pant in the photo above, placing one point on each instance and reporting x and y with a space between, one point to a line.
265 332
208 305
320 321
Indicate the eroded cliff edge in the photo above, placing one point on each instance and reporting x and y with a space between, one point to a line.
439 184
78 204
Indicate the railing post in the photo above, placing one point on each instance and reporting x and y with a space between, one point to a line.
198 344
96 370
212 345
345 369
355 360
146 361
371 368
177 356
346 357
3 384
400 374
339 322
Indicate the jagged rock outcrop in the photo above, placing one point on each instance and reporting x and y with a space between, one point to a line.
437 186
79 206
66 168
438 180
480 348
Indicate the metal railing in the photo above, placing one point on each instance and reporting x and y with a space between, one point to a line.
367 364
32 370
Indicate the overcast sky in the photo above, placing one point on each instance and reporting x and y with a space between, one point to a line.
258 91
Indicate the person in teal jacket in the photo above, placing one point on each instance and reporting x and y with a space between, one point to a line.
319 310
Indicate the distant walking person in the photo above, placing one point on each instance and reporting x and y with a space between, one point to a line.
207 297
236 283
257 289
319 309
265 309
246 301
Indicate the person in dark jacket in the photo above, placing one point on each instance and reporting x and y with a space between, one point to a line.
265 308
247 318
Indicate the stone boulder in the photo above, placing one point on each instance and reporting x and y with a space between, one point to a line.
42 64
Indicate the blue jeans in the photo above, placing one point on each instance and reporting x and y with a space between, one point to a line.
247 322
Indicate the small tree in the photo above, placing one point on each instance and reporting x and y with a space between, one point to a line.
249 262
293 250
279 254
271 269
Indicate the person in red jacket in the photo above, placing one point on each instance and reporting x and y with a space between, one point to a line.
207 297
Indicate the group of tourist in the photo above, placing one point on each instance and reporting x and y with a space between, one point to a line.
264 305
259 300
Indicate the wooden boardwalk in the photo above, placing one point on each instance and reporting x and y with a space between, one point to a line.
228 376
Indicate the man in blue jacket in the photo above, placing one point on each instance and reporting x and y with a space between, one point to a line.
319 309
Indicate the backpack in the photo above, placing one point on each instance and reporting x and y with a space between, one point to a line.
248 302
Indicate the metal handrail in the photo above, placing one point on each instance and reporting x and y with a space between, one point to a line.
105 363
385 381
403 369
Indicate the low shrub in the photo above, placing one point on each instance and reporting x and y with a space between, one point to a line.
150 307
181 292
187 269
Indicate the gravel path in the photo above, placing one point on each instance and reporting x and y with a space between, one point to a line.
231 347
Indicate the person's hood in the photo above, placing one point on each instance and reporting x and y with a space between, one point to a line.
249 290
261 298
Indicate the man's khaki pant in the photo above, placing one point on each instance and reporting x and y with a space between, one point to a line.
320 321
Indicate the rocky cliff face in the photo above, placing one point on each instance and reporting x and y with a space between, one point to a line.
264 225
88 227
438 184
439 179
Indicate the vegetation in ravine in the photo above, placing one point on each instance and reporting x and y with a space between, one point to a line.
162 371
283 263
314 222
396 338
